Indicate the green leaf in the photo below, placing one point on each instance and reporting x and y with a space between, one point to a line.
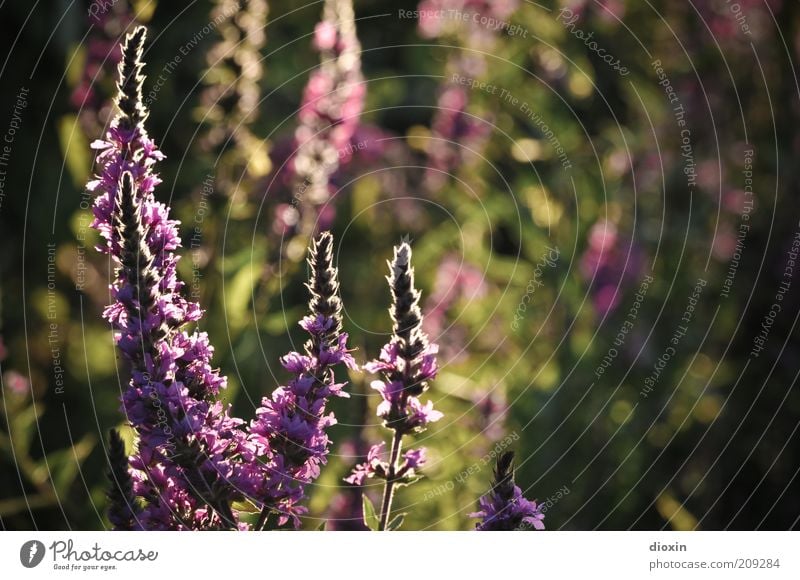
63 466
245 507
396 522
75 64
370 517
239 289
23 428
321 527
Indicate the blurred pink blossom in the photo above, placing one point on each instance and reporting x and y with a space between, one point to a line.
16 382
610 264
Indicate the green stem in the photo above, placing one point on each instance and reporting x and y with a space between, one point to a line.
263 518
388 490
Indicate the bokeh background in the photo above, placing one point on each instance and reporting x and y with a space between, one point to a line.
602 200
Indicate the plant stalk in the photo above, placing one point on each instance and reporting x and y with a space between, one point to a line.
388 490
263 518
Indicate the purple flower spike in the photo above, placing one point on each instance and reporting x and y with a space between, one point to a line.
504 508
406 364
188 446
293 422
332 103
408 361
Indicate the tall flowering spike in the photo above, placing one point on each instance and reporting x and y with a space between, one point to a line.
292 423
459 133
408 361
307 166
129 85
504 508
406 365
127 147
332 102
192 459
459 136
107 21
230 101
123 509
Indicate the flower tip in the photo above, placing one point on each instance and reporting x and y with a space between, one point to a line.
402 254
129 85
322 246
134 40
325 237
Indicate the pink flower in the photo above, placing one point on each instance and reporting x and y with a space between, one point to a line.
16 382
325 35
371 467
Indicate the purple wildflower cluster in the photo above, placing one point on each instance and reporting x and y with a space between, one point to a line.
292 422
455 281
458 135
480 19
187 442
610 263
406 365
408 361
332 103
323 142
230 99
375 466
504 508
193 459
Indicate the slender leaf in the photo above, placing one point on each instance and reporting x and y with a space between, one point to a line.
370 517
